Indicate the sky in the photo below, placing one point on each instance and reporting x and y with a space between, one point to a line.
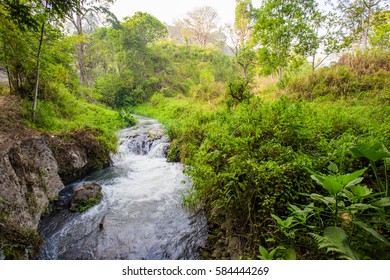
167 11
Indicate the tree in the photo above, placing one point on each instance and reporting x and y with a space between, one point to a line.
282 32
357 17
130 63
87 12
241 43
202 24
380 36
142 29
29 16
327 36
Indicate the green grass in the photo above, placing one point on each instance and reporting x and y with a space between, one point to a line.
66 113
251 159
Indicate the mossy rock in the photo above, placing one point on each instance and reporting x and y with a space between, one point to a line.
85 197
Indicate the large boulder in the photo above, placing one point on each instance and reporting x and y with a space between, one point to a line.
78 154
86 196
29 181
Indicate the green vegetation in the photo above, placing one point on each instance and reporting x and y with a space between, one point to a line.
85 205
291 169
254 160
18 243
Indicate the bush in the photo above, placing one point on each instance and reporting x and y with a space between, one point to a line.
352 75
238 89
251 161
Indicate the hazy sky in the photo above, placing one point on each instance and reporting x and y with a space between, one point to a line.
169 10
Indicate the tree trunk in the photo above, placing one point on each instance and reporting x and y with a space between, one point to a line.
280 73
9 79
313 62
80 51
245 68
38 71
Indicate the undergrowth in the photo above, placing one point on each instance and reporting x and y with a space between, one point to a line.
64 113
252 158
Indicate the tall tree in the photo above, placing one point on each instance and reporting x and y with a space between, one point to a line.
241 43
283 32
380 36
357 17
31 16
202 24
83 16
327 35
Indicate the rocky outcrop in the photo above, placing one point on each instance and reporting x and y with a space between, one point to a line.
29 180
33 171
86 196
78 154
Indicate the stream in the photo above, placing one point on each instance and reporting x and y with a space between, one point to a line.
141 214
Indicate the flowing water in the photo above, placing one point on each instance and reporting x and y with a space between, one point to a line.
140 216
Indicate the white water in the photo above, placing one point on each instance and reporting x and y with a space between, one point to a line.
140 216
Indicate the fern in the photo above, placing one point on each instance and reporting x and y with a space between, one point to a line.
335 240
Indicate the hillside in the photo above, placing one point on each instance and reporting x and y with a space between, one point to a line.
264 171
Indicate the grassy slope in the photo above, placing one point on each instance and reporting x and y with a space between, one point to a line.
250 160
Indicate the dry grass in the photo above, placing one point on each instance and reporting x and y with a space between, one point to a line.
366 63
265 87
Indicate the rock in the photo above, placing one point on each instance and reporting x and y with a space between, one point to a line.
29 180
235 247
77 155
86 196
155 134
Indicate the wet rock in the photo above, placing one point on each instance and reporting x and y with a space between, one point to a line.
86 196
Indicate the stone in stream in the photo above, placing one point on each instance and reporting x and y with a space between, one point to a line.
86 196
155 133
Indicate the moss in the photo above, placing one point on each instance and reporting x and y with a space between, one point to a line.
83 206
18 243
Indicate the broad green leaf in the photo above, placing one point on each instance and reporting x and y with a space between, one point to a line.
361 207
264 253
295 208
361 191
291 254
372 152
284 223
272 253
278 220
373 232
324 199
348 194
318 180
383 202
332 185
351 179
316 177
336 234
355 182
288 221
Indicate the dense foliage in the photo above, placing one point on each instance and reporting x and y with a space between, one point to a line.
254 160
298 169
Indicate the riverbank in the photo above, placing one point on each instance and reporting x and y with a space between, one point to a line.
141 214
34 166
250 167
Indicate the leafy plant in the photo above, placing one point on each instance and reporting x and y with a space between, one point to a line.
277 253
335 240
374 153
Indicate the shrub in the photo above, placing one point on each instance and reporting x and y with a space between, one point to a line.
352 75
